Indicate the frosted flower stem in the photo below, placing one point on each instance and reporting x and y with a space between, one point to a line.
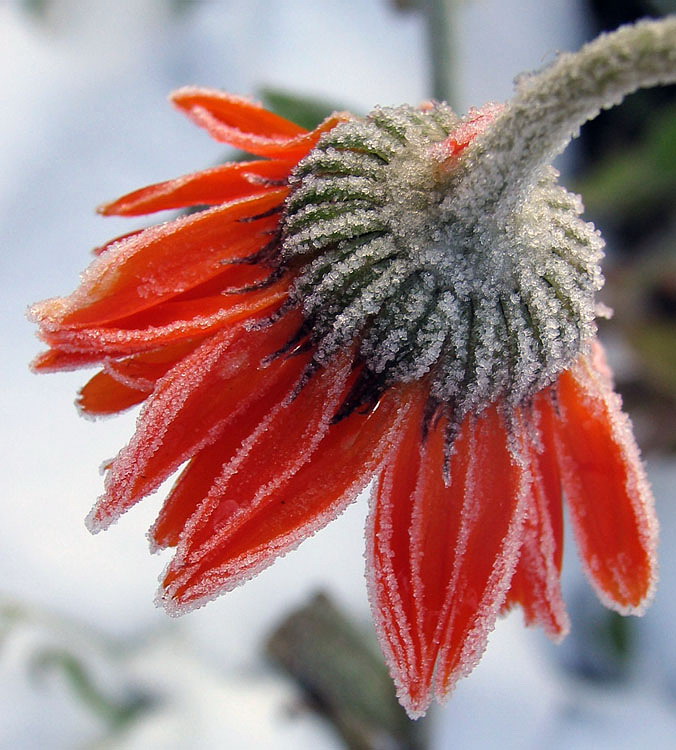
550 107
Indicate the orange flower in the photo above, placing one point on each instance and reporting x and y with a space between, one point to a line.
347 308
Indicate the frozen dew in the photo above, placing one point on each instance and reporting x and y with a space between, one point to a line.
493 303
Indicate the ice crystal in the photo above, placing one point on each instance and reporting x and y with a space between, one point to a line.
500 300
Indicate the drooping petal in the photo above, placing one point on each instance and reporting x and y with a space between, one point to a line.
389 562
486 528
243 124
104 395
60 360
191 406
127 382
246 523
611 505
166 324
290 432
443 553
536 584
162 262
236 111
209 187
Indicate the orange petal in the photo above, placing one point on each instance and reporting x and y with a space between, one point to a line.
162 262
389 562
536 584
611 504
444 553
168 323
482 547
189 409
248 126
236 111
104 395
272 386
125 383
209 187
59 360
283 507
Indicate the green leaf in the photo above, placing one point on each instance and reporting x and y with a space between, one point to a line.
306 111
638 177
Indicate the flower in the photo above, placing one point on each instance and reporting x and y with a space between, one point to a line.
408 296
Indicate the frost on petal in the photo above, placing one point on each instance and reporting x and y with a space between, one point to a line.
104 395
611 504
250 520
443 553
190 407
127 382
169 323
485 547
536 584
160 263
208 187
389 563
243 124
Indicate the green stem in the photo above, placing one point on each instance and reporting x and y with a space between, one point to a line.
439 16
550 107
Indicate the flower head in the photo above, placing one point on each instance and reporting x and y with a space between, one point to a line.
408 296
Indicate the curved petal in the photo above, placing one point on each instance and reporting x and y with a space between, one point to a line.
388 562
103 395
191 406
236 111
127 382
243 124
209 187
444 551
162 262
483 546
245 524
612 507
536 584
167 324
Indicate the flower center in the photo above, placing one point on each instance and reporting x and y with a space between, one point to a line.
491 302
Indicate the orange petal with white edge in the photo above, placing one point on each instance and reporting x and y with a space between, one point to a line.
162 262
389 561
191 406
236 533
209 187
610 501
536 584
444 552
127 382
248 126
166 324
483 552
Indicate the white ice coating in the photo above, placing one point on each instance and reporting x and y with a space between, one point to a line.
476 265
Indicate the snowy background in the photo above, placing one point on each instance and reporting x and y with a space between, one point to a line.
83 87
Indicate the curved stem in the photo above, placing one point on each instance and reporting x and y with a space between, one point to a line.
550 107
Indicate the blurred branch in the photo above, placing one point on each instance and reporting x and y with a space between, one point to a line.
77 652
344 677
440 17
117 714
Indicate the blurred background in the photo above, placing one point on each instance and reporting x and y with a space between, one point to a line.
86 660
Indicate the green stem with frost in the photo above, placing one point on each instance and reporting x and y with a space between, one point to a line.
550 107
439 15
